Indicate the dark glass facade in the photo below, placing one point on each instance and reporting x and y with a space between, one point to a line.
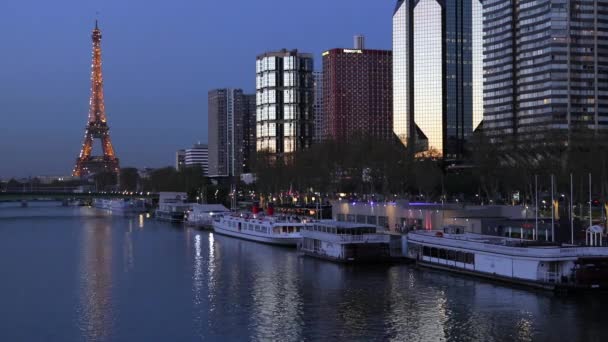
546 69
231 125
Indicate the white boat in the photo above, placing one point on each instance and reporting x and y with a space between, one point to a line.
172 207
202 215
349 242
277 230
121 206
524 262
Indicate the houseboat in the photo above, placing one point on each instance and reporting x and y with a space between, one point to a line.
524 262
172 207
202 215
349 242
276 230
121 206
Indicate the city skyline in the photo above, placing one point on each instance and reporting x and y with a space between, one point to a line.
45 81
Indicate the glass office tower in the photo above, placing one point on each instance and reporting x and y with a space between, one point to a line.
437 74
284 101
546 69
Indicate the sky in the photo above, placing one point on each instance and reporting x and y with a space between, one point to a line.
160 58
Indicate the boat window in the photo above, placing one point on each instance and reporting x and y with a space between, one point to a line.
460 257
451 255
442 254
470 258
297 229
434 252
426 251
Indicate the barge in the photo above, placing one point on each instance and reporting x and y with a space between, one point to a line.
523 262
349 242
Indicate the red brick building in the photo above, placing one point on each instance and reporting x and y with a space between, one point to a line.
357 94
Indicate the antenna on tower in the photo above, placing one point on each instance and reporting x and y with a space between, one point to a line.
96 20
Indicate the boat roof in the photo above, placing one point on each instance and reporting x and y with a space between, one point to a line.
210 208
486 239
344 225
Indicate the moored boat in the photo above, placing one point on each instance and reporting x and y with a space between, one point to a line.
121 206
276 230
349 242
172 207
202 215
524 262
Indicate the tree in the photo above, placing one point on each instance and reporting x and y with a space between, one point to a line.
129 179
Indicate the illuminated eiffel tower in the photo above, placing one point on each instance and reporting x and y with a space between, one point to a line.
97 127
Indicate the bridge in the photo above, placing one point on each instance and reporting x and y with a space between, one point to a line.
16 196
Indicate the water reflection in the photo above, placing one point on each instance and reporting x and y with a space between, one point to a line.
163 283
96 310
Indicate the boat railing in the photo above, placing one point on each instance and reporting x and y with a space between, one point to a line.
531 251
346 238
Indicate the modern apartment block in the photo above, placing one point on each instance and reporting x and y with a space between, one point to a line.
284 101
357 93
437 73
546 69
198 155
229 124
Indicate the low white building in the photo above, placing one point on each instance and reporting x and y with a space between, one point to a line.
404 216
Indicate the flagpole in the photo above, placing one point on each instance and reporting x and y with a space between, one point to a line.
571 211
536 204
590 200
552 211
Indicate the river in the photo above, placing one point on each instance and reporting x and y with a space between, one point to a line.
79 274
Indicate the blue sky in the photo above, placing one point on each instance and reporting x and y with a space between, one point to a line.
160 59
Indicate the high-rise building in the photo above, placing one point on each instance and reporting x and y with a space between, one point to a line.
359 42
546 69
437 73
357 94
249 133
318 106
230 116
180 159
284 101
198 155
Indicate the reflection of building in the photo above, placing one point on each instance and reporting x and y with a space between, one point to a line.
546 68
437 73
230 131
284 100
357 88
198 155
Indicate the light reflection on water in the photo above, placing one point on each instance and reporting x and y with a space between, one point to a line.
107 278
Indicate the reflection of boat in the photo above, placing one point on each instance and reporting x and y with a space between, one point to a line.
349 242
172 206
202 215
524 262
277 230
122 206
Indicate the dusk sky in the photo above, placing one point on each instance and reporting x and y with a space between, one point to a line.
160 59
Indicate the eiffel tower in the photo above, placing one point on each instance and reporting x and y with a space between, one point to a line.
97 126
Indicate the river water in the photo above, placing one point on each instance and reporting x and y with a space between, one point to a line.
78 274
